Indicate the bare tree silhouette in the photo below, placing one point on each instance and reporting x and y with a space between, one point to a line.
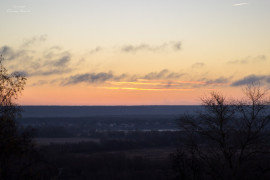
229 139
15 146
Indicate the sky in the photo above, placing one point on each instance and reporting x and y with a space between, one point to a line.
127 52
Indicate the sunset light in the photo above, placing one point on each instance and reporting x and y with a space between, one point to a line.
87 48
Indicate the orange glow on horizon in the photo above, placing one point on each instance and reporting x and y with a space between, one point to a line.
106 96
145 89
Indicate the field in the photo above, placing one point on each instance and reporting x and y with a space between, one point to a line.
136 156
48 141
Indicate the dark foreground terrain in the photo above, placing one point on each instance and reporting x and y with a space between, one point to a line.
112 155
118 142
143 143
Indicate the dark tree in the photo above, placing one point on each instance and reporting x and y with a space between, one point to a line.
228 139
15 146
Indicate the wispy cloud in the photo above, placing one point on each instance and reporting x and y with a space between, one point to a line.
58 64
49 72
61 61
163 80
40 82
52 61
252 79
102 77
134 48
96 50
10 53
247 60
88 78
240 4
51 52
163 74
176 46
36 39
218 81
166 85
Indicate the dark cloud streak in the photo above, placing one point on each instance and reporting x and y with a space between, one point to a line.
101 77
50 72
88 78
251 79
11 54
220 80
163 74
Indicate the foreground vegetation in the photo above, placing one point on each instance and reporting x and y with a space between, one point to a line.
230 139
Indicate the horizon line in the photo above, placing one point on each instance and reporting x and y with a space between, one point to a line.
119 105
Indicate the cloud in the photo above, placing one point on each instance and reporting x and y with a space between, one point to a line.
40 82
102 77
198 65
10 54
262 57
50 72
176 46
163 79
131 48
251 79
122 76
46 66
60 62
51 52
50 62
220 80
34 40
240 4
88 78
163 74
248 60
173 45
95 50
